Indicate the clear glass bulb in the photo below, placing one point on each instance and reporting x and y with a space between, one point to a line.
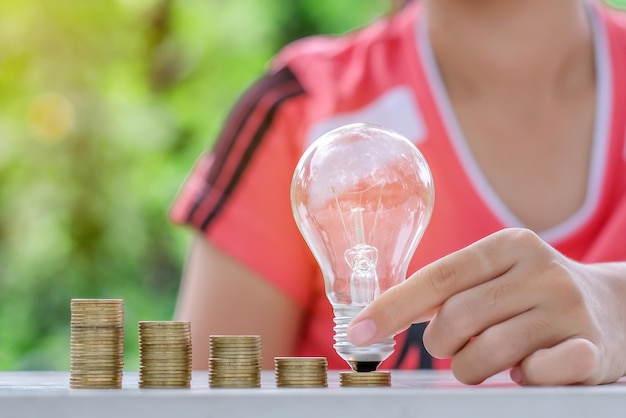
362 197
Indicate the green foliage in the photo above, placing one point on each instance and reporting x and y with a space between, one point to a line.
106 104
620 4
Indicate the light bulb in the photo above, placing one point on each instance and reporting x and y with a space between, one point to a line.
362 197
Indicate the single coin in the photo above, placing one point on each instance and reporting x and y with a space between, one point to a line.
363 379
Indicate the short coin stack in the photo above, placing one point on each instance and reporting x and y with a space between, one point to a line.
364 379
164 354
301 372
97 343
235 361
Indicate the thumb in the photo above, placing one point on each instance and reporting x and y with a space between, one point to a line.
572 361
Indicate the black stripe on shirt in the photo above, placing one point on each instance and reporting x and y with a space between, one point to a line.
283 81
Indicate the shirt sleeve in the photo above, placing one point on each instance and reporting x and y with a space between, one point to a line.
238 193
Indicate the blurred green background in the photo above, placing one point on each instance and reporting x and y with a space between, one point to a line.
104 107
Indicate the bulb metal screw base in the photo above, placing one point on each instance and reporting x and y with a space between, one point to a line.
360 359
364 366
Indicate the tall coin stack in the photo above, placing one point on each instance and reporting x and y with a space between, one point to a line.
301 372
235 361
364 379
164 354
97 343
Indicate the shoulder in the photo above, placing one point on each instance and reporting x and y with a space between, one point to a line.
321 62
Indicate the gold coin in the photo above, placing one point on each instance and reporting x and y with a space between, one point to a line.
182 369
97 356
283 377
362 379
171 377
95 326
300 371
168 366
96 375
300 360
183 345
237 347
234 372
115 359
89 316
165 339
315 384
96 350
234 353
99 371
227 344
94 360
98 379
166 380
169 360
95 333
94 340
186 346
164 385
93 354
98 313
166 372
235 384
157 357
99 325
157 324
242 361
165 358
96 345
110 383
101 360
96 310
162 336
166 363
79 301
236 357
302 377
235 338
96 385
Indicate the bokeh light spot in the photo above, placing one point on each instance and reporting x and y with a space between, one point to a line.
51 118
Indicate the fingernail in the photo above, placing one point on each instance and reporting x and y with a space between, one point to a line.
516 375
362 332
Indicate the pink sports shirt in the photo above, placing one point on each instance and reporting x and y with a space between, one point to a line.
385 73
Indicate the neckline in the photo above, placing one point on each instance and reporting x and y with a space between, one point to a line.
468 163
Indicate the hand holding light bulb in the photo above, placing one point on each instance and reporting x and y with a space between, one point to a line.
362 197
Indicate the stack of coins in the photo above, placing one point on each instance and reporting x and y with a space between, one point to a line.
364 379
235 361
301 372
164 354
97 343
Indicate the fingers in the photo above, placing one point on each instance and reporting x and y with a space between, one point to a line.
509 301
504 345
572 361
467 314
423 292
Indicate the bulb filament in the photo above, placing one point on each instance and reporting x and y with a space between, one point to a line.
362 259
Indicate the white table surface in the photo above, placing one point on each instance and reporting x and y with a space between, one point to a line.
413 394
